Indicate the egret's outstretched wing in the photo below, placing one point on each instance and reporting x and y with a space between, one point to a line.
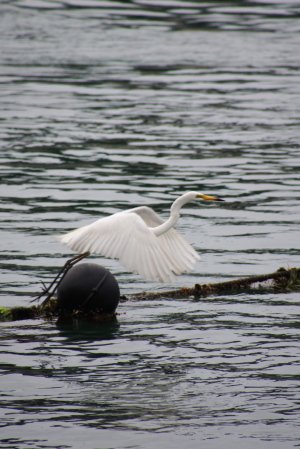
125 236
182 253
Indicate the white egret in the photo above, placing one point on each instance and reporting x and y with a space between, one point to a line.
141 240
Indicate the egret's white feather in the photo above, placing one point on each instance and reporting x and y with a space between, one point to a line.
183 254
129 240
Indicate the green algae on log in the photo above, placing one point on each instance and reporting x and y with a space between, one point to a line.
51 311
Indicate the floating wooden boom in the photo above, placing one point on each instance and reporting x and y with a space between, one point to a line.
282 280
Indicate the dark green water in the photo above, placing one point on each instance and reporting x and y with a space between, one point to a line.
110 105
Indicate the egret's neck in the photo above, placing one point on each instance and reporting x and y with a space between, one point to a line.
174 214
161 229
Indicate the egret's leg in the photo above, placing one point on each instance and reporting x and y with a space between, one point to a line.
55 283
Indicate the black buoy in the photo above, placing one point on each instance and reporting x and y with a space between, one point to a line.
88 287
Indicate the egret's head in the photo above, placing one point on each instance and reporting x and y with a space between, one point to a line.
200 196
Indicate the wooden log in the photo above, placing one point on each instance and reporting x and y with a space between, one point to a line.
281 280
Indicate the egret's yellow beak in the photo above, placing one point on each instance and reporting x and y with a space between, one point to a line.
209 198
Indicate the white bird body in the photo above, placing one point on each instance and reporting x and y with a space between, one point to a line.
143 242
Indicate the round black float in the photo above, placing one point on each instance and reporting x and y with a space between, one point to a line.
88 287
